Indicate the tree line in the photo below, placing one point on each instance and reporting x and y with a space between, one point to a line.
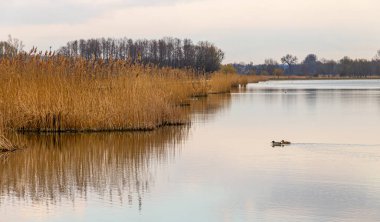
11 47
201 57
312 66
168 52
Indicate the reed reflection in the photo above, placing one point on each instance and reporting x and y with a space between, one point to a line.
70 166
204 108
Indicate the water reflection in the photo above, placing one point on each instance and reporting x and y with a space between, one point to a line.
205 108
226 170
118 168
70 166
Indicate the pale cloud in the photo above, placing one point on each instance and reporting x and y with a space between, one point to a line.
18 12
245 29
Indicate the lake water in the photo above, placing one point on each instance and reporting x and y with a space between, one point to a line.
220 168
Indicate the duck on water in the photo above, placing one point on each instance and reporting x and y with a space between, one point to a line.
281 143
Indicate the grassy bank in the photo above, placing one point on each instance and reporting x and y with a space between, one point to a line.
58 94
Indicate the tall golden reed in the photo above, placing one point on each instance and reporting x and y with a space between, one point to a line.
61 94
57 94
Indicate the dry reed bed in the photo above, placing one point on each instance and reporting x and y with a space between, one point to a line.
58 94
222 83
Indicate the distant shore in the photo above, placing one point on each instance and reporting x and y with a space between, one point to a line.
320 78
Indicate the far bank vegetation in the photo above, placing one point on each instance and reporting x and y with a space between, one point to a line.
312 66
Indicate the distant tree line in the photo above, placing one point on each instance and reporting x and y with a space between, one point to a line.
201 57
11 47
169 52
311 66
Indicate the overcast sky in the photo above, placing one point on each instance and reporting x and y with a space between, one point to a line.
246 30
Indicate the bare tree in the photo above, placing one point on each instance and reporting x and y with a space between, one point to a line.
289 60
270 65
278 72
377 56
11 47
17 44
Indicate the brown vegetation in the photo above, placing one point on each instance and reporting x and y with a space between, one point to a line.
6 145
58 94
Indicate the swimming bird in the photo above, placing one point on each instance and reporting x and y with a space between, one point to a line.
285 142
274 143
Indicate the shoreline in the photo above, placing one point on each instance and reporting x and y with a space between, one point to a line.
57 95
86 131
322 78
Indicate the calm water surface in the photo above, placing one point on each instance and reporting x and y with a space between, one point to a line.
221 168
